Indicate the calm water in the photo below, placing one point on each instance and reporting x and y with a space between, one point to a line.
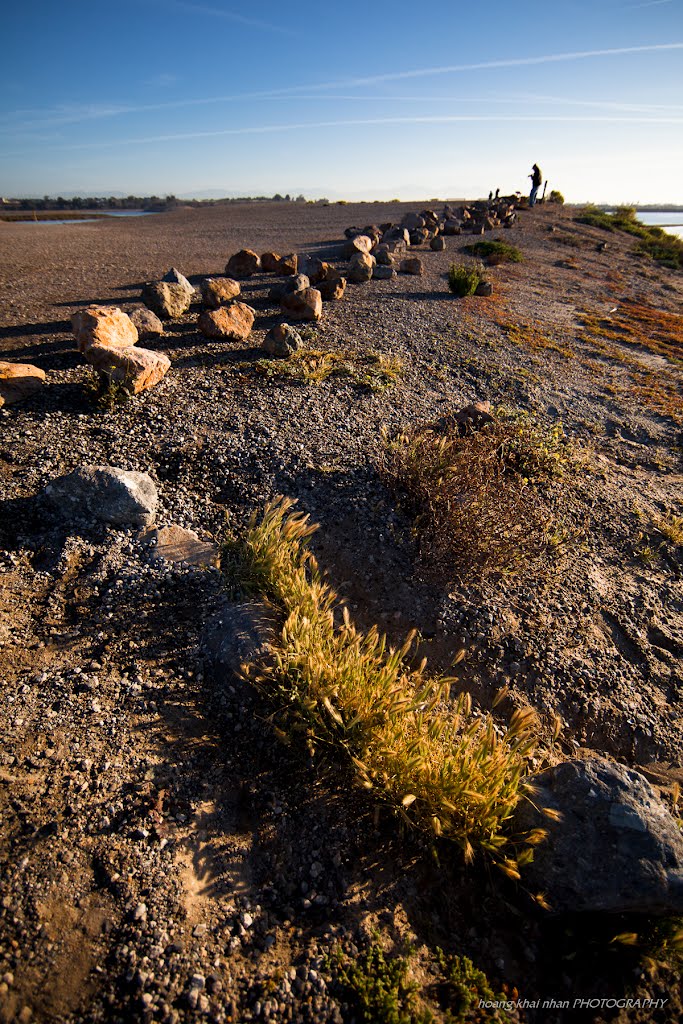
91 220
671 222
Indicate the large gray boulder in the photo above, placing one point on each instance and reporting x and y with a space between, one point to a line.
106 494
616 847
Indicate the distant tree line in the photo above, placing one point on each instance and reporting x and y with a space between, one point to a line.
150 203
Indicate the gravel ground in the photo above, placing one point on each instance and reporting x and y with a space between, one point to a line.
164 858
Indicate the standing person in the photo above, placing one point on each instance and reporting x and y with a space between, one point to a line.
536 179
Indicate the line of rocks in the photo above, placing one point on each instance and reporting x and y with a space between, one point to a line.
107 337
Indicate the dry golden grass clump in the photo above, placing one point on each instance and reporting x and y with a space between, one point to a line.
372 370
475 497
436 764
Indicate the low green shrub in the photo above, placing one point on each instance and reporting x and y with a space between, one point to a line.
653 241
465 278
556 197
495 252
379 988
105 393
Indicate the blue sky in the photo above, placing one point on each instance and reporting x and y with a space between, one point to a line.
356 99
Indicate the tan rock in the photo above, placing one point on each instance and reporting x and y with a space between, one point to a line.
270 262
137 369
167 299
232 322
304 305
332 288
103 325
361 243
147 323
175 544
18 381
243 264
219 291
288 265
360 267
413 265
315 269
473 417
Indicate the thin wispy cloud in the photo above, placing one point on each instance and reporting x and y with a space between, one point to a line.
320 91
649 3
218 12
369 122
642 108
510 62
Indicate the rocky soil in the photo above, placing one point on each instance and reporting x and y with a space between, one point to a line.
163 856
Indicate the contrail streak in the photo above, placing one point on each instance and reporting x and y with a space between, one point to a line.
65 116
360 122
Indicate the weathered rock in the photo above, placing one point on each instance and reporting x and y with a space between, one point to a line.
303 305
315 270
297 283
361 243
243 264
360 267
452 227
219 291
19 381
232 322
103 325
175 277
270 262
383 255
147 323
412 265
430 218
412 221
287 265
332 288
167 300
137 369
418 236
282 340
616 849
106 494
238 635
381 272
484 288
397 234
438 244
473 417
176 544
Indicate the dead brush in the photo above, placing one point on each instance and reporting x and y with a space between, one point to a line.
438 766
475 498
